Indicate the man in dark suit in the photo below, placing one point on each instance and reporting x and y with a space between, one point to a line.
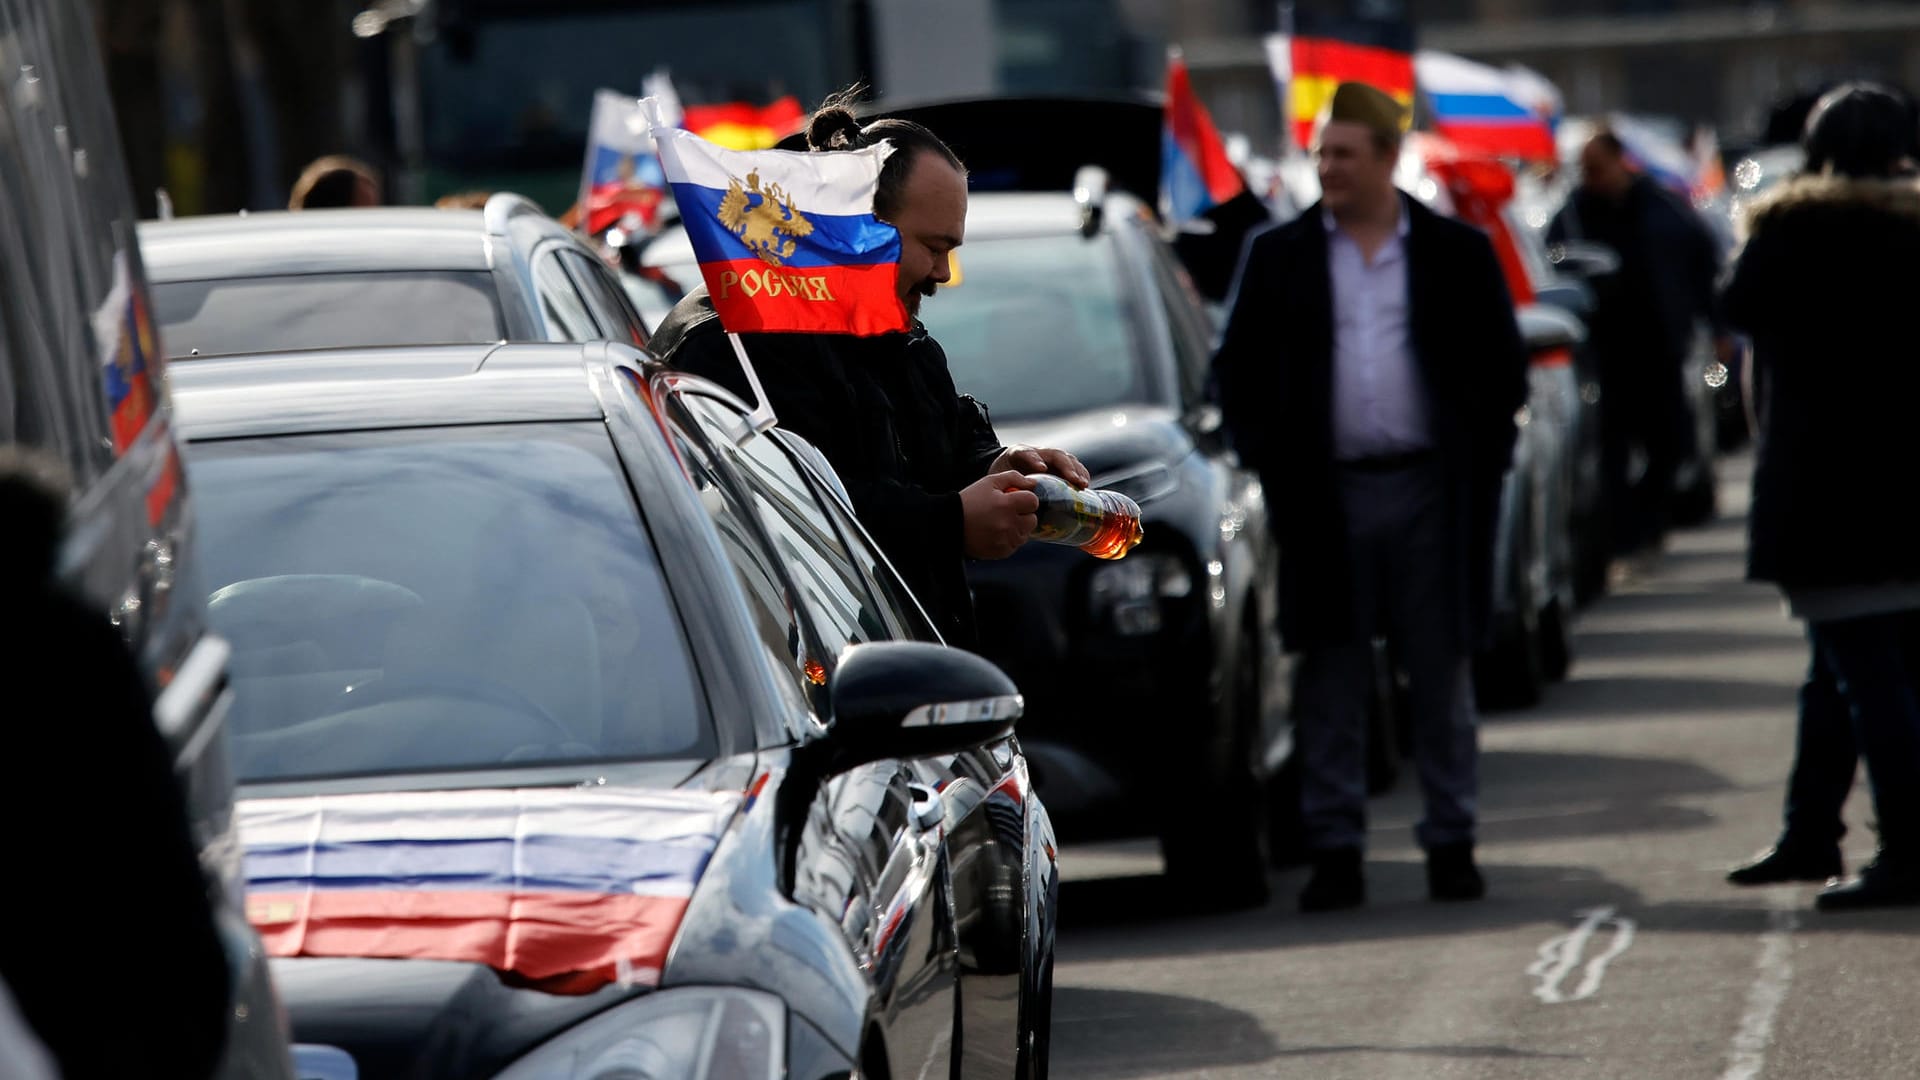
1371 370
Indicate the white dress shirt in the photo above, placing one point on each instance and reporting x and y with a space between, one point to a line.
1379 401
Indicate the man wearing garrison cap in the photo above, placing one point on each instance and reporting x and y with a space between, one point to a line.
1371 370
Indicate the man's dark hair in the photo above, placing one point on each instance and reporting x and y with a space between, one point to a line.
1860 130
833 126
1606 139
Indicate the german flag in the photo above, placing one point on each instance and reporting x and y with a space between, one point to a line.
739 126
1318 67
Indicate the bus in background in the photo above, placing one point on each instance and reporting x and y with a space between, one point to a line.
82 385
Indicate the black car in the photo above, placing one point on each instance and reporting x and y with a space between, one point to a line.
321 279
1156 685
582 732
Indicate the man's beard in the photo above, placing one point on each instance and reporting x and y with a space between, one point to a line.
924 289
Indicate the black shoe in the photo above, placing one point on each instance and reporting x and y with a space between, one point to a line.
1451 874
1789 862
1880 884
1336 883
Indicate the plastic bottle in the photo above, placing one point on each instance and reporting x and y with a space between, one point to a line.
1104 524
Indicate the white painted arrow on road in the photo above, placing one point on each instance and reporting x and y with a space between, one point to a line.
1561 954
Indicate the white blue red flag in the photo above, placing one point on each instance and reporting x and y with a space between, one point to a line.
1483 109
566 890
1195 172
787 242
623 181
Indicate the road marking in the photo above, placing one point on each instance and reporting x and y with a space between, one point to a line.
1773 977
1560 955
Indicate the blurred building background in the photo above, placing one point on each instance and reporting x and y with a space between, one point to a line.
223 101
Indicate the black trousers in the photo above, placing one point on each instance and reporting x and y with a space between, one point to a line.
1643 406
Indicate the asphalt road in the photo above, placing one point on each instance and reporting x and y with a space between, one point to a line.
1609 945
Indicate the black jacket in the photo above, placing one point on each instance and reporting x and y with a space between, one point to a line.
885 413
1649 310
1275 371
1826 287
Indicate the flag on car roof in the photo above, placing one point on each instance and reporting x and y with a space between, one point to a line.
623 180
1314 67
787 242
1481 108
737 125
1195 174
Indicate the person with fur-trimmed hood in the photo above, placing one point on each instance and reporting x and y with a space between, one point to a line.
1824 287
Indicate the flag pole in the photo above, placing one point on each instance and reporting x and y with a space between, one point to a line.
762 416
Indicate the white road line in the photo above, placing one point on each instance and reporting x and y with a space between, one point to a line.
1773 977
1560 955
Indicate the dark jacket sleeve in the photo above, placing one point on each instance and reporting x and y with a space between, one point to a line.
969 427
1490 314
1746 300
1243 367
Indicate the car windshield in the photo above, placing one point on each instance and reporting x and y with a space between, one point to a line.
328 311
1040 326
435 599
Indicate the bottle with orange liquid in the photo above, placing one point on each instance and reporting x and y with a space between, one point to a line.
1104 524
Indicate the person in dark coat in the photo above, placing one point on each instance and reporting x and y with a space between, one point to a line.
106 882
1645 317
1824 286
1370 370
927 475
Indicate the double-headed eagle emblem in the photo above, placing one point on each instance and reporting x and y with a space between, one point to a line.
763 218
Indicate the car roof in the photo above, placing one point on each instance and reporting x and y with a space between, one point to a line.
386 388
384 238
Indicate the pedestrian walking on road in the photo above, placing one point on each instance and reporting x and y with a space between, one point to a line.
1824 286
1371 370
1645 317
927 475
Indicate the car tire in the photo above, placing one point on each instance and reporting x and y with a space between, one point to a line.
1215 843
1036 1027
1556 642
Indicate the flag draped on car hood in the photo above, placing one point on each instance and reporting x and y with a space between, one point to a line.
562 889
787 242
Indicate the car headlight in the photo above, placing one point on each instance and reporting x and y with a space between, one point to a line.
1126 594
696 1033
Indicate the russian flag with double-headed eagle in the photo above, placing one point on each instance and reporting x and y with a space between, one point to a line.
787 242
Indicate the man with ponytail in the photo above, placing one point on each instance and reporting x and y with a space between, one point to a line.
928 476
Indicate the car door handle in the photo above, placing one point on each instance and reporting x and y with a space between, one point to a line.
928 808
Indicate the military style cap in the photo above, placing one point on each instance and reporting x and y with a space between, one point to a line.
1368 106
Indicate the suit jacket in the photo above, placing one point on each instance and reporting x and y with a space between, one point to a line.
1275 376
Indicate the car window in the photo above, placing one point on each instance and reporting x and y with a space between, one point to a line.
881 580
1041 326
788 641
610 305
327 311
1186 320
444 598
566 310
837 600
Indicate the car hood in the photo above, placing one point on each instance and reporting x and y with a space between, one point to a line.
425 1019
1113 443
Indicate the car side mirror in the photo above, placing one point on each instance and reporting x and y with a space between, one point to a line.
1572 295
910 699
1584 259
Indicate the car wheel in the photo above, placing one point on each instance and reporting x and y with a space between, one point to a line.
1215 844
1036 1027
1512 674
1556 642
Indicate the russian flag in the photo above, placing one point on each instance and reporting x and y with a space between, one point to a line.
787 242
1481 109
623 177
1195 175
562 889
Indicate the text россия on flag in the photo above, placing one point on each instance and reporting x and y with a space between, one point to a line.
787 242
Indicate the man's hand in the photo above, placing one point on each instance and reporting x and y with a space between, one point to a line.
1033 459
999 511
